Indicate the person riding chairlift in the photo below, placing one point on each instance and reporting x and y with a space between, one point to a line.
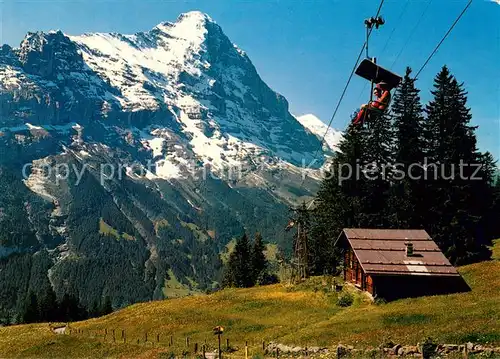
382 94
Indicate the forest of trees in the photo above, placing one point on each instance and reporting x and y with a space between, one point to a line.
247 265
68 309
418 167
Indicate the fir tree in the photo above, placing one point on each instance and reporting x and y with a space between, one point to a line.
337 203
259 261
376 173
455 213
70 309
239 267
95 311
107 307
48 306
494 214
488 190
405 203
31 313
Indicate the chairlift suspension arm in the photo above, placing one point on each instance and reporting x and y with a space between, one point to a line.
369 23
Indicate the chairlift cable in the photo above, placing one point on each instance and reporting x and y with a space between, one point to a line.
342 95
346 85
444 38
414 79
439 44
411 34
400 16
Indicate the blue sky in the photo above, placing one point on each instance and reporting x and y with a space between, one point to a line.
305 49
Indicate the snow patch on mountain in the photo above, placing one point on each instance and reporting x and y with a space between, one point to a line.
146 66
319 128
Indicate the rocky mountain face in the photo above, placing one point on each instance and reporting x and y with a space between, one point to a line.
128 162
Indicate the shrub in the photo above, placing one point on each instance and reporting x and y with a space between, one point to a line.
345 300
380 301
428 348
164 355
266 279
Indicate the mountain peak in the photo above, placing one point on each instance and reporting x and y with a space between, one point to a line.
195 15
190 26
330 136
195 19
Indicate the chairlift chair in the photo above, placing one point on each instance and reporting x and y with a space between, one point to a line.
370 71
374 73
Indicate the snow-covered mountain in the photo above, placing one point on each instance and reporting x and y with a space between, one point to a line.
166 140
331 136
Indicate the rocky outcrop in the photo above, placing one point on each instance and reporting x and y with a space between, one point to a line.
387 351
277 349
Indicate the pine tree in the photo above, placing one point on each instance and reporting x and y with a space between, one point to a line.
48 306
377 172
494 213
30 313
337 203
95 311
107 307
405 203
489 190
455 214
238 271
259 261
70 309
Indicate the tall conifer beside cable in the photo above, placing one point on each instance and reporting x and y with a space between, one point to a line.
455 210
337 202
406 204
375 182
489 206
494 213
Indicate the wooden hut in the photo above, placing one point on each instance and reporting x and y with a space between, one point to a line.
394 263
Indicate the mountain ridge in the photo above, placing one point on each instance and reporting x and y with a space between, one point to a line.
142 154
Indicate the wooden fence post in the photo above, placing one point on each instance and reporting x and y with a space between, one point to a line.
195 348
157 338
220 351
227 344
187 342
246 350
171 340
203 351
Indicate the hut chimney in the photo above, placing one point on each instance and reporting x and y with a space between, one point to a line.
409 249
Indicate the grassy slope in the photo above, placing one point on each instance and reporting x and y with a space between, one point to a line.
300 315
